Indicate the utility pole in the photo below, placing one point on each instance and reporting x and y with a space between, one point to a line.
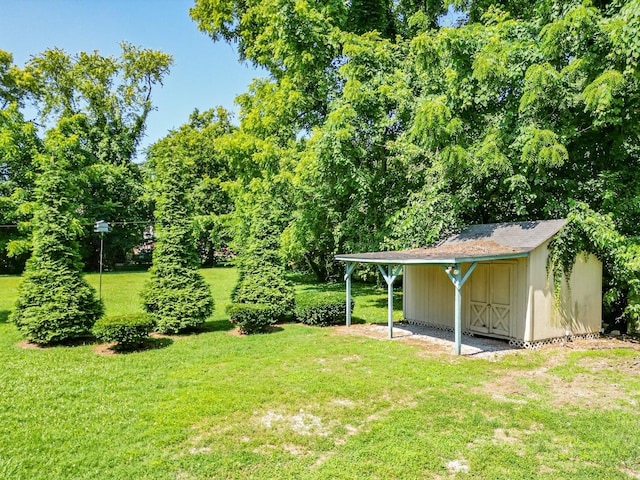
101 227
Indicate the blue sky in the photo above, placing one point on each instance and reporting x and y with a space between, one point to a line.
205 73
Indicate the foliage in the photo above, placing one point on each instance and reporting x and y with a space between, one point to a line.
252 317
19 145
390 130
55 303
114 96
129 331
176 296
261 269
201 143
588 231
321 309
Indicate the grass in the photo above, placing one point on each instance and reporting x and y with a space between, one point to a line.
305 403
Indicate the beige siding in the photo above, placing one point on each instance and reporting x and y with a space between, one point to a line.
428 295
580 307
522 284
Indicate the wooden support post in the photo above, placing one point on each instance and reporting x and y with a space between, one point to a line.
455 274
390 276
347 277
458 311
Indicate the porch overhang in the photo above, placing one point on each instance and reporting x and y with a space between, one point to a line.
450 257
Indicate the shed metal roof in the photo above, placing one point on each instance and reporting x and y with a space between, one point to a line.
484 242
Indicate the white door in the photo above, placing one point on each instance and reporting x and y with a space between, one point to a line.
491 298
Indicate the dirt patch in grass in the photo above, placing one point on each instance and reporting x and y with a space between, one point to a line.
155 342
235 332
301 423
435 341
105 350
27 345
590 388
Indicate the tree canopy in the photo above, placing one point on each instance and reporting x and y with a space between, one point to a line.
113 95
384 128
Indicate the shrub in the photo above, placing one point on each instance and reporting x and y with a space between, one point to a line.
252 317
177 298
261 269
55 304
266 286
321 309
129 331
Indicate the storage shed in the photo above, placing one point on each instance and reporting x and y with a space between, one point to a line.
501 287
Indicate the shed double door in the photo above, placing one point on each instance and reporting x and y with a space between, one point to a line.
491 304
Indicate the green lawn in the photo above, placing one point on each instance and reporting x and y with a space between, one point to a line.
305 403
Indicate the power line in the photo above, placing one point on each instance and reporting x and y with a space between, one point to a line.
123 222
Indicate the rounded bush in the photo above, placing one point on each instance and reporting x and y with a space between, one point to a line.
128 331
321 309
252 317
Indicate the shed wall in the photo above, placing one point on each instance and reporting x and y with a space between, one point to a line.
429 294
580 308
429 297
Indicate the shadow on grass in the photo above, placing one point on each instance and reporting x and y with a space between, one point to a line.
383 302
4 316
356 321
151 343
216 326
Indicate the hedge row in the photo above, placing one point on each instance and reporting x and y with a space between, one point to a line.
318 309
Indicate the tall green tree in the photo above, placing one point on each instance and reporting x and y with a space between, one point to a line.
55 303
19 145
261 268
176 295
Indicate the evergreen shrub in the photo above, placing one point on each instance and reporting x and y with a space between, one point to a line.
55 304
252 317
266 286
321 309
177 298
176 295
128 331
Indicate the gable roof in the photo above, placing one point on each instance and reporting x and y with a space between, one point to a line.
484 242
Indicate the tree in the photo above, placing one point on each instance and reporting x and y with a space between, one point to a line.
114 95
55 303
402 131
19 146
176 295
261 269
201 142
536 116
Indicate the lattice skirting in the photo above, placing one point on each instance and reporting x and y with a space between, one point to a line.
513 342
539 343
437 326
